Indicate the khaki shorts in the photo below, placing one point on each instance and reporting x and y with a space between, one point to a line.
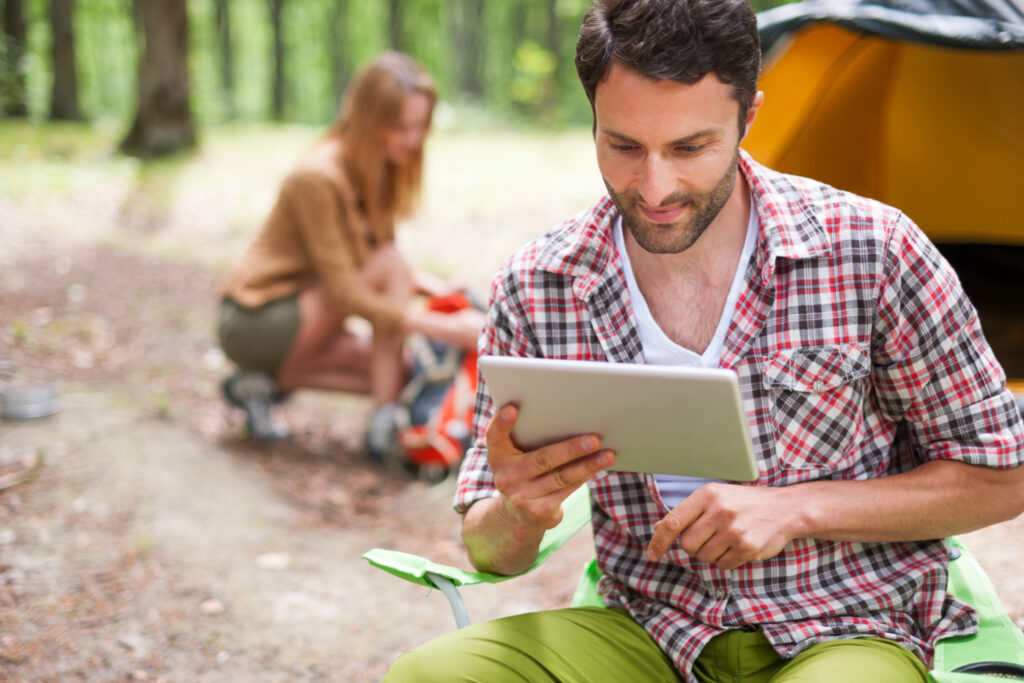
258 338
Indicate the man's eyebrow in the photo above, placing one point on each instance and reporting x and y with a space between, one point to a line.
619 136
681 141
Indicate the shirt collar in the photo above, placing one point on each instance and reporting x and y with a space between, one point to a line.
583 248
790 226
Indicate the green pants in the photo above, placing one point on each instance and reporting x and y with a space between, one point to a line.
591 644
258 338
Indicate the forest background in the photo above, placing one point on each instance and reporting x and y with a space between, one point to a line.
142 537
284 60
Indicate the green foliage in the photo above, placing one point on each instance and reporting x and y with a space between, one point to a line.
36 65
308 68
107 55
524 73
533 83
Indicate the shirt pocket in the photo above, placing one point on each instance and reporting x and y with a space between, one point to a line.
817 396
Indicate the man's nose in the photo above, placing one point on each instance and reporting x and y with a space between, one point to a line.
656 181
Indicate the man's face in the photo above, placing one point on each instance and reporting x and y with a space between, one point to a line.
668 153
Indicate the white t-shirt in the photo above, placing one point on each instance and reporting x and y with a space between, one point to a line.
660 350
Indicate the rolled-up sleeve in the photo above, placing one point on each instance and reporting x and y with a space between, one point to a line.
934 371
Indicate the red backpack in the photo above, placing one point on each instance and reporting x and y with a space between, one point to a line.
433 431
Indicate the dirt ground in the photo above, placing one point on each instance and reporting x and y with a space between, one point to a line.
152 542
142 538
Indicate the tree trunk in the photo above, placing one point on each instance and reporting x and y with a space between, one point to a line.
64 96
163 124
555 48
519 33
12 73
227 57
467 17
339 54
277 83
554 39
395 38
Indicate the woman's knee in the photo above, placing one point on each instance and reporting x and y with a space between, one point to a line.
319 321
387 272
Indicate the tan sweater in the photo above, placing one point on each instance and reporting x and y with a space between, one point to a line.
315 233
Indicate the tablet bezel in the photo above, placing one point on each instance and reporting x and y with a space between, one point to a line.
658 419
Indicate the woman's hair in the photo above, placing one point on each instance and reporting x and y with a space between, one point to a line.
372 105
678 40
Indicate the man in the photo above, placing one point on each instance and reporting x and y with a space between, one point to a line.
879 415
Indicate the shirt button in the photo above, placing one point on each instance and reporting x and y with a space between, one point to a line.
819 385
719 594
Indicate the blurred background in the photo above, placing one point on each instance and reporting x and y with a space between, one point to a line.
142 143
286 60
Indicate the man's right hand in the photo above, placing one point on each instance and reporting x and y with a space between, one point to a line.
503 534
534 484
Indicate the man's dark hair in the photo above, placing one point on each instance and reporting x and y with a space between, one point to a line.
678 40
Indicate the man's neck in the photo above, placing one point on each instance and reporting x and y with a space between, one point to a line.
686 292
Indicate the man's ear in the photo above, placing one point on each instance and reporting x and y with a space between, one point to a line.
755 105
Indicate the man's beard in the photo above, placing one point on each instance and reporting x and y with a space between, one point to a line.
660 238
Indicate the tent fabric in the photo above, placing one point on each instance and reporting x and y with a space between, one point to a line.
971 24
931 128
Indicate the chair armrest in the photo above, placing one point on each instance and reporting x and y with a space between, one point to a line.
575 516
415 568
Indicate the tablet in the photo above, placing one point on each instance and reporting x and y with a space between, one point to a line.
658 419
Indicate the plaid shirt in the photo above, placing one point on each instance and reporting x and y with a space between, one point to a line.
858 356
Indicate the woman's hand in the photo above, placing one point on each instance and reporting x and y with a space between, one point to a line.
427 284
460 328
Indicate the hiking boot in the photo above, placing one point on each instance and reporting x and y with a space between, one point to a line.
381 438
254 393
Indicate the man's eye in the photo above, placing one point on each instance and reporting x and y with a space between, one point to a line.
688 149
624 148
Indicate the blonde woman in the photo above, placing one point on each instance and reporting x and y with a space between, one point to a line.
326 252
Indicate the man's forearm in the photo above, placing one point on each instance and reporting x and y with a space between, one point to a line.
935 500
731 525
496 541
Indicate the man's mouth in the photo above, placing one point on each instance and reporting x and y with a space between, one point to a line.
662 215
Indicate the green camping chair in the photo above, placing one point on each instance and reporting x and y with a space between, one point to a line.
997 650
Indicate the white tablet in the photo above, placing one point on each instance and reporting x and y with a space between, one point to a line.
658 419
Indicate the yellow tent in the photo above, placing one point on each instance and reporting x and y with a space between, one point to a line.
922 111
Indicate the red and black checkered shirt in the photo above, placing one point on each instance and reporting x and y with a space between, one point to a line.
858 355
